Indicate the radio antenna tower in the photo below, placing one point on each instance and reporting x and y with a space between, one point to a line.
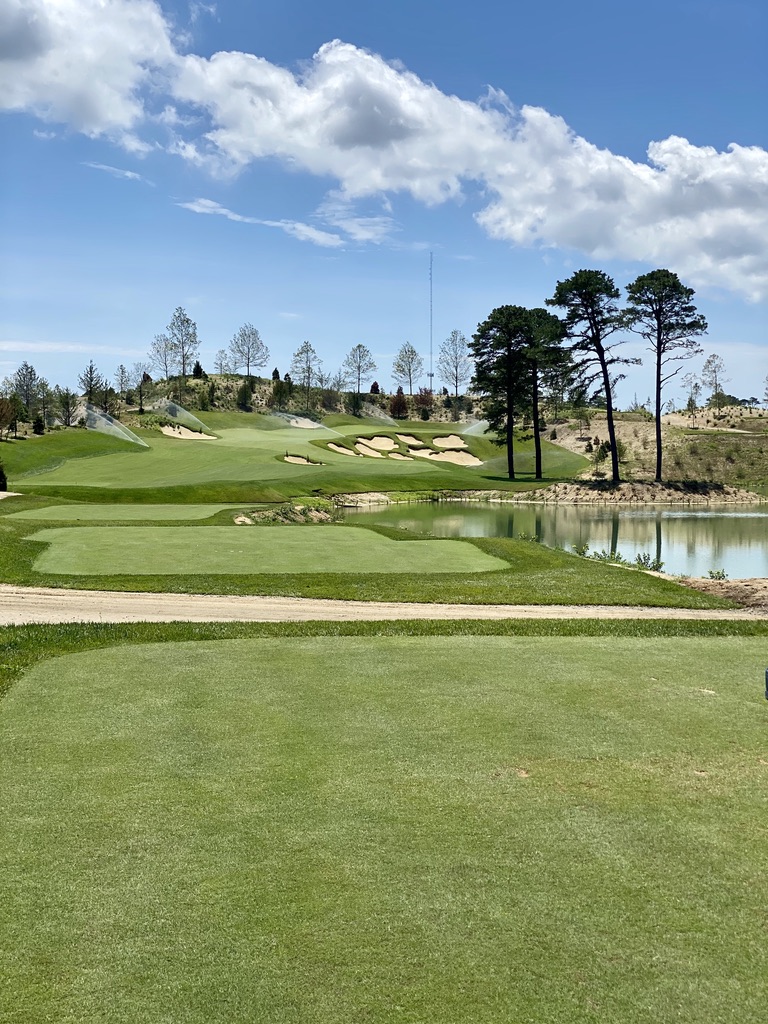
430 375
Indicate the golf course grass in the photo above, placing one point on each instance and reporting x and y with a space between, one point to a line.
246 462
227 550
331 828
119 513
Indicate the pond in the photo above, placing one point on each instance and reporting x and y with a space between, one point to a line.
689 541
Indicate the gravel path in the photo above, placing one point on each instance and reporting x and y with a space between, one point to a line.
19 605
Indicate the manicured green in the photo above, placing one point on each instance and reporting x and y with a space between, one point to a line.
120 513
395 827
141 550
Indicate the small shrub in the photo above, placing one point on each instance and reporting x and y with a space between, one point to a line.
553 435
646 561
717 574
3 479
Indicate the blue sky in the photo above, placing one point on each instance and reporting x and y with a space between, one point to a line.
293 164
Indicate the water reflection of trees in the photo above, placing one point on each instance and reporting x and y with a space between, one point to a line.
704 537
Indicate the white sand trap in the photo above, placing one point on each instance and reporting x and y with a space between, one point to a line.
370 452
299 460
186 433
451 441
400 457
243 521
343 451
457 458
381 444
409 439
9 494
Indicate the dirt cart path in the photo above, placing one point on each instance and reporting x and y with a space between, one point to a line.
20 605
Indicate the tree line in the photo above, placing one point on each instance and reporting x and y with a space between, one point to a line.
520 352
517 359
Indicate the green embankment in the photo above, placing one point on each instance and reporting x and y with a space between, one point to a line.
385 827
247 463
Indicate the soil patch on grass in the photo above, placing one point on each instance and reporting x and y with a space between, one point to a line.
750 593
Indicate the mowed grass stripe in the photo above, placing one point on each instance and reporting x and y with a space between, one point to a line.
121 513
137 550
429 829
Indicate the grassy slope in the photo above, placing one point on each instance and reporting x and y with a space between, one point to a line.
211 841
246 464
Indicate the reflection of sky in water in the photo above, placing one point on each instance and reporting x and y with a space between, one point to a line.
687 541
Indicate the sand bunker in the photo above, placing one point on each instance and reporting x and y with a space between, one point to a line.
343 451
186 433
381 444
365 450
299 460
400 457
451 441
409 439
457 458
9 494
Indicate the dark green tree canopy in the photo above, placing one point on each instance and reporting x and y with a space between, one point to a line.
660 311
592 316
510 349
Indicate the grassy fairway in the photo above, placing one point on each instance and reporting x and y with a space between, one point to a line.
101 550
119 513
428 829
246 463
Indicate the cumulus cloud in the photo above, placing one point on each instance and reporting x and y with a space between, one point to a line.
82 62
376 129
379 129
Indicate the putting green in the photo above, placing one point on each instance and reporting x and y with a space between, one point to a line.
148 550
120 513
335 829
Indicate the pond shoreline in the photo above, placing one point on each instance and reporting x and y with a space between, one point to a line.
579 493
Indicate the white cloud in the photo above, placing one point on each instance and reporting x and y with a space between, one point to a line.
118 172
81 62
304 232
209 206
338 211
377 129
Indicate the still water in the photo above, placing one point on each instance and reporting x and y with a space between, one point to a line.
687 541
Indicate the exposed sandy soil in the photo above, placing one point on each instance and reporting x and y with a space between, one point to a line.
751 593
451 441
185 433
635 493
19 605
9 494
